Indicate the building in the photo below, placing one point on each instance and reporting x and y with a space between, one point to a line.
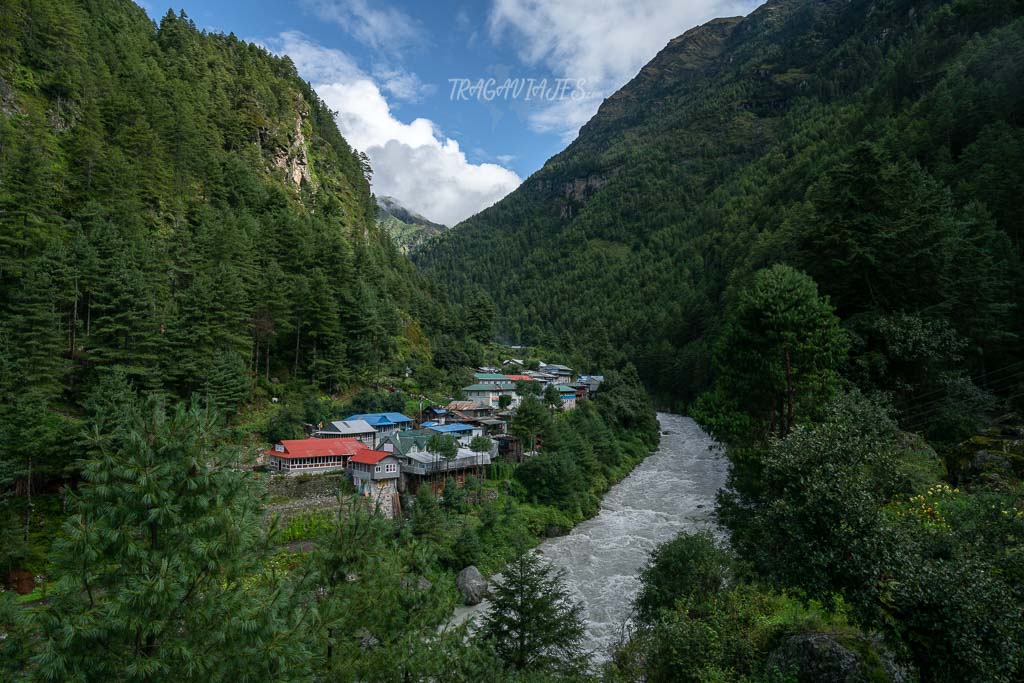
568 396
376 475
384 423
295 456
562 373
512 363
436 415
520 378
471 408
457 429
590 382
489 426
490 394
352 429
543 377
489 378
418 464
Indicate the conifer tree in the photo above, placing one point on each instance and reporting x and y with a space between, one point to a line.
158 568
532 624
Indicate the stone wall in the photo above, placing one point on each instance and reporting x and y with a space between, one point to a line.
298 494
305 485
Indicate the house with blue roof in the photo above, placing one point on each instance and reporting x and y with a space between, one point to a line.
456 429
568 396
384 423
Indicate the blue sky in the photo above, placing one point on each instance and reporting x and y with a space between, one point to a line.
386 67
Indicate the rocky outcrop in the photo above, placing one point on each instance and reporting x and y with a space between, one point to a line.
293 159
472 585
994 459
835 658
7 104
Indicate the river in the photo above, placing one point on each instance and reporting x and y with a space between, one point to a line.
671 491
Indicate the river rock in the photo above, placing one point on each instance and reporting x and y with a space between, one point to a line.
472 585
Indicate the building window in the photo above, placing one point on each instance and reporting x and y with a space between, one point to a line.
391 468
377 469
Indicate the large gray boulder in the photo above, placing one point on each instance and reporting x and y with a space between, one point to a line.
472 584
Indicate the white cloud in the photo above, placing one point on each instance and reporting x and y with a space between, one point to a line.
413 162
602 42
383 28
315 63
402 84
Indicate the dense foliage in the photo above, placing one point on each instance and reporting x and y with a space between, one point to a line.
836 501
876 145
587 449
699 620
179 207
166 569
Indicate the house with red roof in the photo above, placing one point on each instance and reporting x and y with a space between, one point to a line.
295 456
375 475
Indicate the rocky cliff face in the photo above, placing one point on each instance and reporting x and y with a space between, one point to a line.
293 158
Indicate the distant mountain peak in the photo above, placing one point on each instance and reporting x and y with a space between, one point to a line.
391 206
408 229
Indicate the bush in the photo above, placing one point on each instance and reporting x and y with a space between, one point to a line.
685 568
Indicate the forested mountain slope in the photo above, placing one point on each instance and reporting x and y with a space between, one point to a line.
180 206
875 144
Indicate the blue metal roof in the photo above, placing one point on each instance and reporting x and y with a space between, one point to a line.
448 429
381 418
431 423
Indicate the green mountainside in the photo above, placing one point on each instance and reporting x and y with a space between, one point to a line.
408 229
179 206
874 144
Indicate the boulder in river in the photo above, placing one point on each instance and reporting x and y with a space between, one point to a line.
472 585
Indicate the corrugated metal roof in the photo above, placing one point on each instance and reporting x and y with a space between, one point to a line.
489 375
380 418
312 448
349 427
369 457
450 428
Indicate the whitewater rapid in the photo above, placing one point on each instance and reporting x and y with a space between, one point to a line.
673 490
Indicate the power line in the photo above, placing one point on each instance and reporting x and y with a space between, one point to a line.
922 420
1006 383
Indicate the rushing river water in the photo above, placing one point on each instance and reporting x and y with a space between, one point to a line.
671 491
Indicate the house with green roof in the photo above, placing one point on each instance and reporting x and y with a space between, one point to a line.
489 378
490 394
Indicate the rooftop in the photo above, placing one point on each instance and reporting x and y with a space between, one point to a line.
449 428
312 448
380 418
467 405
349 427
369 457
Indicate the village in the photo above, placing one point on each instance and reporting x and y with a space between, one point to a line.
387 454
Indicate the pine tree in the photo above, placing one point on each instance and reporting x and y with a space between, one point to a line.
778 355
532 623
158 570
